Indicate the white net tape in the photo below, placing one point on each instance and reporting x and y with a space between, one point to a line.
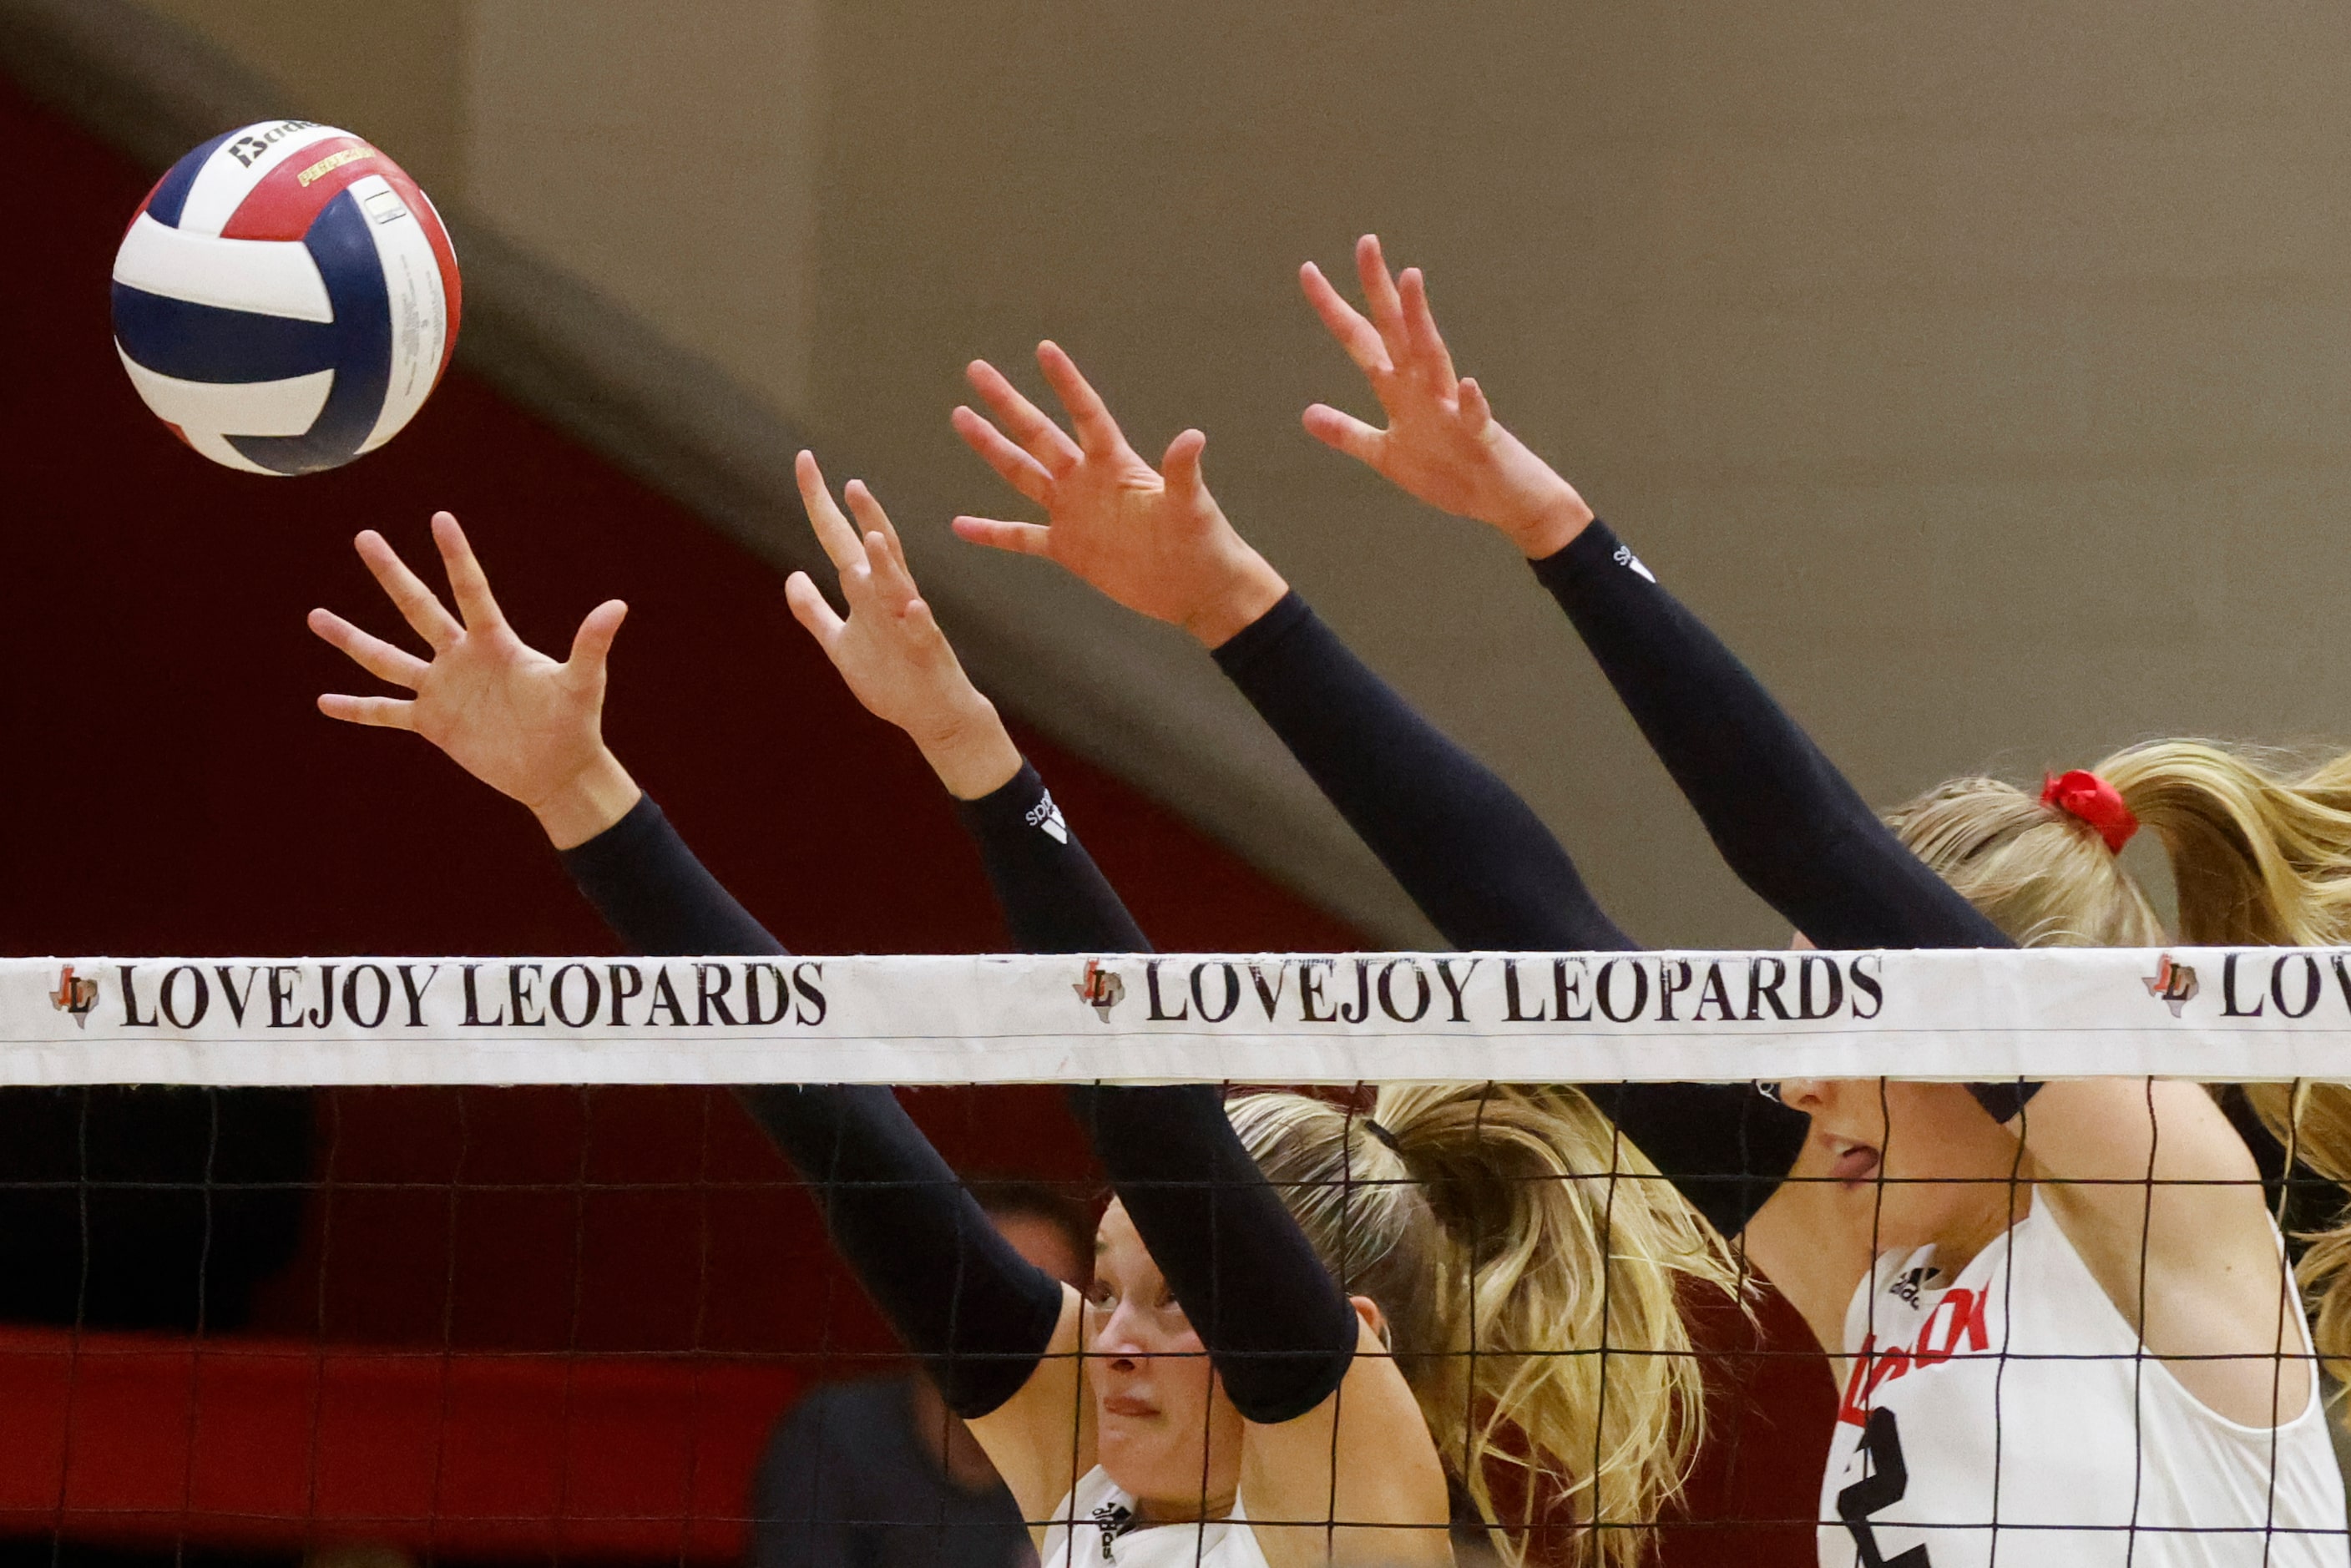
2201 1013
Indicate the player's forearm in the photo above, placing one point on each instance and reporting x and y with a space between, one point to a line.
979 1314
957 1293
1473 855
1489 874
655 896
1053 897
1785 820
1280 1329
1280 1332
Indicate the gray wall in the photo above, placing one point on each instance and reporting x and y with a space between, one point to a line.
1979 372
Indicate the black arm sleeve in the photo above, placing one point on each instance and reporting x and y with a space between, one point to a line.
1724 1146
978 1313
1487 873
1054 898
656 896
1280 1329
1791 826
1276 1324
1475 858
1785 820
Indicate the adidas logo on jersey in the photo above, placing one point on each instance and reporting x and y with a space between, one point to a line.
1114 1519
1911 1282
1047 816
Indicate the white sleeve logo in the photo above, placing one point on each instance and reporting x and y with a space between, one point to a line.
1625 558
1046 815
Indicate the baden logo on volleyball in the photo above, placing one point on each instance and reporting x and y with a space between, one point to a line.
249 145
286 299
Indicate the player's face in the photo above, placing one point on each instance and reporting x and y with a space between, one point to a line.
1165 1430
1916 1163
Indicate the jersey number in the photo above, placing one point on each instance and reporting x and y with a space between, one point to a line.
1881 1450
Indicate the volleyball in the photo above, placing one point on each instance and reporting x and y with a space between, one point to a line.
286 297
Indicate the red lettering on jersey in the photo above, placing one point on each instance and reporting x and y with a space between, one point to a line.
1870 1368
1965 1322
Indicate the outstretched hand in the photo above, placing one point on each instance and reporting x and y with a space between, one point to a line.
525 725
1152 538
1441 444
889 648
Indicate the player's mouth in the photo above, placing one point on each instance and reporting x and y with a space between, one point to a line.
1129 1405
1854 1163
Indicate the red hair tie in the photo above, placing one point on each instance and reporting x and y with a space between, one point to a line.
2081 793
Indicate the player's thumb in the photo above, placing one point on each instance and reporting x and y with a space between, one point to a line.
592 644
1181 466
810 608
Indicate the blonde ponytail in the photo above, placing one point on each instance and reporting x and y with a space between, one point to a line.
2044 877
1529 1263
2261 856
2260 852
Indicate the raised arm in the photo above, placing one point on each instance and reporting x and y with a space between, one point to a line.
1472 854
1785 820
2152 1184
1195 1194
986 1323
979 1315
1282 1336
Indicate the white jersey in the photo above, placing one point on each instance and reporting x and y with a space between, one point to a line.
2007 1418
1100 1528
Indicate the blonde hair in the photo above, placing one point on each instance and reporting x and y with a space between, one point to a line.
2260 852
1529 1264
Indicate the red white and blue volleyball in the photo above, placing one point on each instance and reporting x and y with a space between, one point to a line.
286 299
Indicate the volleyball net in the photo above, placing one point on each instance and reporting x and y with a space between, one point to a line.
475 1259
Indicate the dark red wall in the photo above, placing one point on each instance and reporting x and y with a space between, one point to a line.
173 791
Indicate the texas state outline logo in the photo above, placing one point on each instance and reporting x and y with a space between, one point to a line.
1100 988
2173 983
